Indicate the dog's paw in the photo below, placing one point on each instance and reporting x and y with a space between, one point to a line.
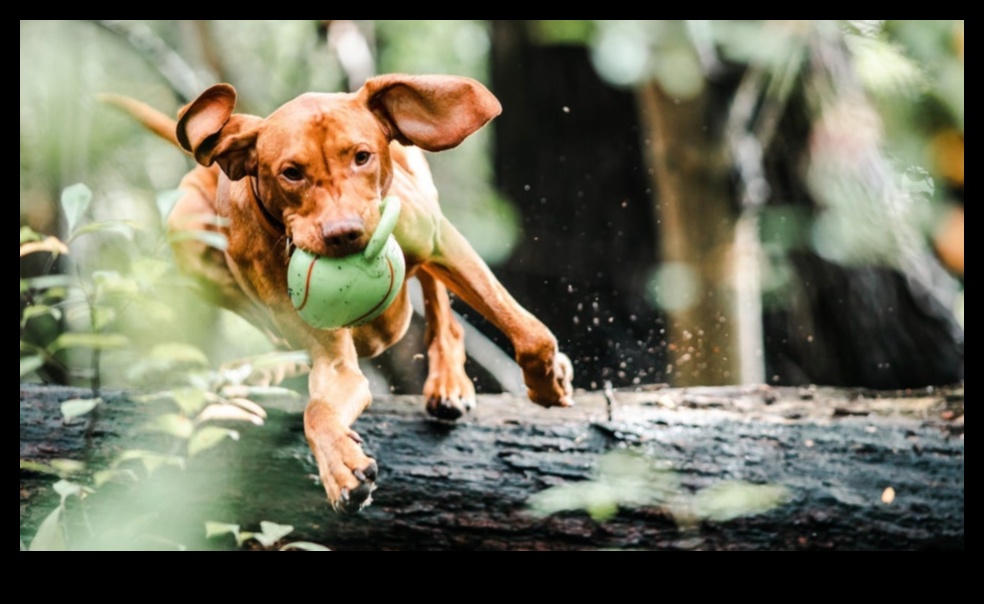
549 384
449 408
353 500
347 473
449 394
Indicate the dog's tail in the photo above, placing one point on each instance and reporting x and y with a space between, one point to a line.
152 119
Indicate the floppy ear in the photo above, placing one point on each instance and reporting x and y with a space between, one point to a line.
212 133
433 112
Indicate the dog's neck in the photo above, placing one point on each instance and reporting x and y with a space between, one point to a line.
270 223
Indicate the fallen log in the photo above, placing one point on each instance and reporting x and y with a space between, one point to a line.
840 469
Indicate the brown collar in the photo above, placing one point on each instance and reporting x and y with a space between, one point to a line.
270 224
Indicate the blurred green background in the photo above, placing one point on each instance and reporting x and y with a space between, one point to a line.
836 141
692 202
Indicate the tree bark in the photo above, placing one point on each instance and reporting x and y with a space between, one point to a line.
698 217
467 485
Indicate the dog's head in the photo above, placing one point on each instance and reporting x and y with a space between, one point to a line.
320 163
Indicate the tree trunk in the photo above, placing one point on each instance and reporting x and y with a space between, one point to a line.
697 218
832 454
568 155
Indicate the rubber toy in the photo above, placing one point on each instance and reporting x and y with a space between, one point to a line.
331 293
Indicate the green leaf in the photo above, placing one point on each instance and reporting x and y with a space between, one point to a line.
211 238
171 423
150 459
250 406
75 201
237 413
30 364
50 537
179 353
271 532
102 316
123 227
112 282
243 391
306 546
75 407
884 68
39 310
152 462
599 499
65 467
50 281
728 500
57 467
623 478
67 489
207 437
29 234
89 340
102 477
166 200
189 400
37 466
149 271
214 529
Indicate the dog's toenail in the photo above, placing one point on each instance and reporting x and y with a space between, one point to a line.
360 475
361 493
444 409
354 436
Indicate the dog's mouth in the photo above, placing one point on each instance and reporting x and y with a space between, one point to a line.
334 238
341 250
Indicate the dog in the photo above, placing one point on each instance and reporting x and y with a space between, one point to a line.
311 175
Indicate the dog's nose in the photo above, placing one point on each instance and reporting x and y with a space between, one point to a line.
343 237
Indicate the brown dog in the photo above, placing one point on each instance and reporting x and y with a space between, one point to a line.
311 175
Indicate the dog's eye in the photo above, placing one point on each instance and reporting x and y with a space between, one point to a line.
292 174
362 157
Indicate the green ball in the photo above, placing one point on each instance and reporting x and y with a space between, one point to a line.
331 293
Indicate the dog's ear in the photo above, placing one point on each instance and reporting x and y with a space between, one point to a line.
433 112
212 133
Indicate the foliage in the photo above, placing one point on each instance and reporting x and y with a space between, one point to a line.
121 315
885 163
193 412
268 535
628 478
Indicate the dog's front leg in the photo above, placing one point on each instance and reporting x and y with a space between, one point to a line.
546 371
339 393
448 390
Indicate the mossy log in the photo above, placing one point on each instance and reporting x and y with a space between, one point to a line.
837 455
